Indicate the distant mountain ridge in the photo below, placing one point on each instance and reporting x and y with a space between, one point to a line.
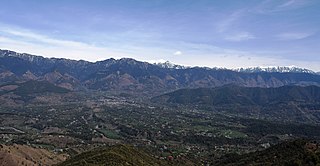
131 76
270 69
168 64
278 69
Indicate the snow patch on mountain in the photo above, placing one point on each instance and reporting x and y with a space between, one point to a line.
169 65
276 69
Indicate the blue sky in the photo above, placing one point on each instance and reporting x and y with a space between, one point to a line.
213 33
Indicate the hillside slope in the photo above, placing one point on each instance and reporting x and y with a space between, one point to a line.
20 155
118 155
299 152
234 95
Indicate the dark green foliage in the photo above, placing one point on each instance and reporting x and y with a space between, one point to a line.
236 95
32 87
264 128
114 156
28 90
286 154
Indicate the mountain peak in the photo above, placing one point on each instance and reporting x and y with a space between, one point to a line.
169 65
275 69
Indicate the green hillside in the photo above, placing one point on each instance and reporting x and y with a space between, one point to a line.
294 153
32 87
242 95
114 156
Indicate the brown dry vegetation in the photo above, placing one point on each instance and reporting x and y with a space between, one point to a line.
23 155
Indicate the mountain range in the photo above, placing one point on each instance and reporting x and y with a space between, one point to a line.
132 76
278 69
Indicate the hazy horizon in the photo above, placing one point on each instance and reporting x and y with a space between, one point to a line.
228 34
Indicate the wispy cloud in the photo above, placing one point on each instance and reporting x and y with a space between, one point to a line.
291 4
228 21
242 36
230 27
211 56
271 6
293 35
177 53
34 37
26 41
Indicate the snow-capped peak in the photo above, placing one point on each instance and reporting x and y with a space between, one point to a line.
278 69
169 65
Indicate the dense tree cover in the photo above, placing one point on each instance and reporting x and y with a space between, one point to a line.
292 153
236 95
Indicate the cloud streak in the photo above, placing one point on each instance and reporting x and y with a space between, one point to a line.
271 6
225 24
292 4
242 36
27 41
293 35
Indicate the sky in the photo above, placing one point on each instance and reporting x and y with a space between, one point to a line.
212 33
